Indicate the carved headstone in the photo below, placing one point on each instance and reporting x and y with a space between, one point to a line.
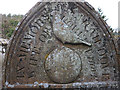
61 45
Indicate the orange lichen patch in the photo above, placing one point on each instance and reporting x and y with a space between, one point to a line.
46 56
62 28
61 23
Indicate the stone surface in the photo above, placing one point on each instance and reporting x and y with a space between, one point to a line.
0 70
1 61
65 34
63 65
41 51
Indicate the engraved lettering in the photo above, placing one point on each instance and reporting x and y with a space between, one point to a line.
31 74
42 37
105 76
39 22
20 69
104 60
34 29
92 31
102 51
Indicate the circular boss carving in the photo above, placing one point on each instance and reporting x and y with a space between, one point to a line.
63 65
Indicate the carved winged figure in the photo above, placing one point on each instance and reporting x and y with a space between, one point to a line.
63 64
63 33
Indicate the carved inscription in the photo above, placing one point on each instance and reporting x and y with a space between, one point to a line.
29 48
89 31
61 41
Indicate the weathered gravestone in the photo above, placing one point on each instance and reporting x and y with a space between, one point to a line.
61 45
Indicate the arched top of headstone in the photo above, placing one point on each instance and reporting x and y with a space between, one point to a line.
61 44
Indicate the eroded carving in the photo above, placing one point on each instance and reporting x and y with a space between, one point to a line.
60 44
63 65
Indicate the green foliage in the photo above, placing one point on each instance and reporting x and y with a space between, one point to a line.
13 22
104 17
9 27
101 14
9 24
9 32
9 15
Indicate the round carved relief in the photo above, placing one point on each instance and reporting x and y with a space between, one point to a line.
63 65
